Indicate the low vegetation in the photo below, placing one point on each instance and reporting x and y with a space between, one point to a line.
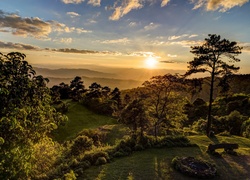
71 131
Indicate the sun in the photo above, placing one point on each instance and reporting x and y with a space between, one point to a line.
151 62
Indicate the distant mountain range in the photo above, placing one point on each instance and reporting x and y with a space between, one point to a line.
123 78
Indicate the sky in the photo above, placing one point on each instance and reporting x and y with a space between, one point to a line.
120 33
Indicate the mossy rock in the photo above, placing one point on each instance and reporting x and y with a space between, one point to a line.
194 167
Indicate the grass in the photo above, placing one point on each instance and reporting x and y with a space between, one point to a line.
152 163
156 163
80 118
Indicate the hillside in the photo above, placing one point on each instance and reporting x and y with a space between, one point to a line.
156 163
153 163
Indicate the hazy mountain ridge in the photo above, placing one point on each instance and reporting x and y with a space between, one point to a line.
68 73
111 82
123 78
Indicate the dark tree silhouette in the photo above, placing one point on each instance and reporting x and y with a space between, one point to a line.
210 57
77 88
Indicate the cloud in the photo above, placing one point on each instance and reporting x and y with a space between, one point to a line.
167 61
151 26
172 55
193 35
124 8
72 1
186 43
62 28
17 25
64 40
246 47
164 2
144 54
95 2
173 37
73 14
91 2
220 5
34 27
177 37
19 46
132 24
82 51
116 41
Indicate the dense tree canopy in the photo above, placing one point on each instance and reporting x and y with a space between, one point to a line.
26 115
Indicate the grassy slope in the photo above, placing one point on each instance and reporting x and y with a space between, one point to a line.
156 163
80 118
152 163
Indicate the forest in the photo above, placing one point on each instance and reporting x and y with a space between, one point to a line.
68 130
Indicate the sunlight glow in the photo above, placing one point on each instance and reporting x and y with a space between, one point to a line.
151 62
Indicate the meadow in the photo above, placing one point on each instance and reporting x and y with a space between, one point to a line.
152 163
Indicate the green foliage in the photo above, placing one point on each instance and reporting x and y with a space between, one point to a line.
245 128
45 156
81 144
101 99
200 125
26 114
195 111
70 175
232 123
134 116
163 100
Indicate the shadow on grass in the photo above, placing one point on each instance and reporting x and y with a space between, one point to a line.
214 139
148 164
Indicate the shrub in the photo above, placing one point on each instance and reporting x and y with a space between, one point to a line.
80 144
100 161
93 157
245 128
70 175
200 125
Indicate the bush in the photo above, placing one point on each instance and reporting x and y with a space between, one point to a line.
100 161
94 156
80 144
70 175
200 125
245 128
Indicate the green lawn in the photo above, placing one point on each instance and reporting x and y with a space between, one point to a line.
80 118
151 164
156 163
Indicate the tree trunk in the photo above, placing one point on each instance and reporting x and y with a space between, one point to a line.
209 117
155 133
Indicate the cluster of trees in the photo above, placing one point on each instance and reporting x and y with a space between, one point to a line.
28 113
99 99
155 107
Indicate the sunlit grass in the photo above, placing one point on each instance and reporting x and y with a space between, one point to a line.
156 163
80 118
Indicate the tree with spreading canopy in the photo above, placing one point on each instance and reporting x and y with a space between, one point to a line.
212 57
163 100
26 115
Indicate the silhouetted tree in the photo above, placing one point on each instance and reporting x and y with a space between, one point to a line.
210 57
77 88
